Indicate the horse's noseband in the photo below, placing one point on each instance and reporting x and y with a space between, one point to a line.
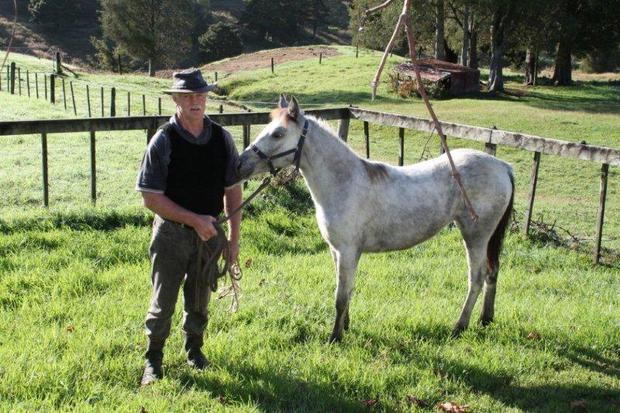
297 151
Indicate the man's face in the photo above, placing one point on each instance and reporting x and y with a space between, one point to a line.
190 106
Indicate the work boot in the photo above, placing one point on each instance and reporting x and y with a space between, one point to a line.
196 359
152 368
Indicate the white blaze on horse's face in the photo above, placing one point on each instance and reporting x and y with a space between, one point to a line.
280 135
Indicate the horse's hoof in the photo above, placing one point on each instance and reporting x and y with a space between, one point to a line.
485 321
456 331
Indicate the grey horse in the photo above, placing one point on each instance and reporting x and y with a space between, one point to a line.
365 206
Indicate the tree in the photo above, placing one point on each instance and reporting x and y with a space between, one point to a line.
502 13
278 20
155 30
221 40
440 36
53 11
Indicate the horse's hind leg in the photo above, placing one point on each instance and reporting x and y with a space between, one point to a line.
476 259
346 265
488 306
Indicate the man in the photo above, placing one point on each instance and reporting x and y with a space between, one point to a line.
187 178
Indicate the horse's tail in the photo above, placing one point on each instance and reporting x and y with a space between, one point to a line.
495 243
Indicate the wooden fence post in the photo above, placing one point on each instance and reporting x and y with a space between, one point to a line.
320 57
64 93
532 194
73 98
159 105
216 76
102 104
221 109
45 84
113 102
490 148
93 168
36 84
44 169
128 103
357 51
401 141
19 81
343 129
367 139
88 101
58 64
601 212
12 83
53 88
272 65
28 82
143 105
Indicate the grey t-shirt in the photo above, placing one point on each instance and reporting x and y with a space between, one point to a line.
153 173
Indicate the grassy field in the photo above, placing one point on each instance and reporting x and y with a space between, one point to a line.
74 280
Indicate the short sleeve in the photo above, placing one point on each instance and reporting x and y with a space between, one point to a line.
153 173
232 160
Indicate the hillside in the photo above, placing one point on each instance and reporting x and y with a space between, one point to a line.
72 38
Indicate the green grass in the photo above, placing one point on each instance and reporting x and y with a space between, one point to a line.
74 279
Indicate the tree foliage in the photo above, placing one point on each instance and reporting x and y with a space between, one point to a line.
53 11
221 40
155 30
277 20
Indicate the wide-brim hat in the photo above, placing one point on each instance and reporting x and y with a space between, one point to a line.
189 81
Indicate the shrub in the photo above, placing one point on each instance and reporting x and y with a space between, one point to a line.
220 40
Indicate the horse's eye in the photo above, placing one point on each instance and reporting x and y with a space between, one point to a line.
277 135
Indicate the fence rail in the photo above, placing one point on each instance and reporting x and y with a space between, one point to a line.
491 137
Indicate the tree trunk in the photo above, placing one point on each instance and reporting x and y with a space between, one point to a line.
530 66
440 49
562 73
496 77
473 44
465 48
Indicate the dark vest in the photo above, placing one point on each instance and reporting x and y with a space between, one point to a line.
196 172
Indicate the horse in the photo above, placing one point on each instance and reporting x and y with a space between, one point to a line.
366 206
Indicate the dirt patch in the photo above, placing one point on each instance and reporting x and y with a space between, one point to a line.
262 59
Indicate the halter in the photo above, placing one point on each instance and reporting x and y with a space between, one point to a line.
297 151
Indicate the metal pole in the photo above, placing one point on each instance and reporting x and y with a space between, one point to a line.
532 194
367 139
88 101
73 98
44 169
93 169
601 212
401 141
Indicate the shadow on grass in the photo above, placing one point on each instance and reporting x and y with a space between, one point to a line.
275 391
536 397
100 220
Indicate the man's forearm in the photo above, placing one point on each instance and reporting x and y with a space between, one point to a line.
166 208
232 199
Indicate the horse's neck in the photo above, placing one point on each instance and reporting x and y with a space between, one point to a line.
326 164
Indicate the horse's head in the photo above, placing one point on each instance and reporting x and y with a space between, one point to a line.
278 145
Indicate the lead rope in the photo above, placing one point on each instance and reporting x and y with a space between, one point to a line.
210 270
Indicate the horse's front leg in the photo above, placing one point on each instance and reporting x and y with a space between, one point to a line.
346 265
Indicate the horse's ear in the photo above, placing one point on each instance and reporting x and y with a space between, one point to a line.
282 104
293 108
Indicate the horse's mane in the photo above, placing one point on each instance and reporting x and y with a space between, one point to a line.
377 171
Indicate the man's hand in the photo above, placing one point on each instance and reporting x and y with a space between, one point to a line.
204 227
233 252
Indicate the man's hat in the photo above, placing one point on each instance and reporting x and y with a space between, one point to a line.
189 81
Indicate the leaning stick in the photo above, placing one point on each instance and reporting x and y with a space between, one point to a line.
404 18
377 8
388 49
444 142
